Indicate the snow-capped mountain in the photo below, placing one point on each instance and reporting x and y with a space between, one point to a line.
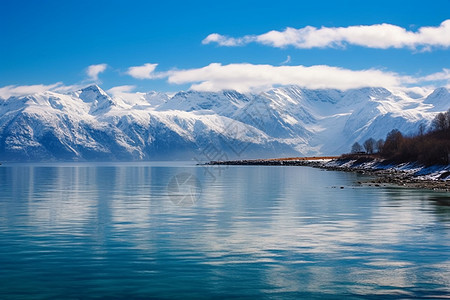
89 124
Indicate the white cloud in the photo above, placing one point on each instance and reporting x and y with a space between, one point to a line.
68 88
93 71
145 71
249 77
287 60
254 78
227 41
246 77
22 90
381 36
117 90
439 76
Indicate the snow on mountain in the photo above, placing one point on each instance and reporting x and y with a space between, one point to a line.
439 100
89 124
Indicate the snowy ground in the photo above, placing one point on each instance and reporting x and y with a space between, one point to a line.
414 170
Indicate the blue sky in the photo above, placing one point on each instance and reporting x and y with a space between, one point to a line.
53 43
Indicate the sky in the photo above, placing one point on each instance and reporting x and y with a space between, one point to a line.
248 46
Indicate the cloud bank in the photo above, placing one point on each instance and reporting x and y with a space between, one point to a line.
249 77
244 77
439 76
16 91
93 71
255 78
380 36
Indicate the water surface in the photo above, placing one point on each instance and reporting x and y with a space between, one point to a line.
125 231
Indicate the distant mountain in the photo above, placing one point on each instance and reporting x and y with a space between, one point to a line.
89 124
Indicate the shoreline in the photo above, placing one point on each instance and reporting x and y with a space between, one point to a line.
409 175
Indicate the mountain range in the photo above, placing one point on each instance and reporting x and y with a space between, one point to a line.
89 124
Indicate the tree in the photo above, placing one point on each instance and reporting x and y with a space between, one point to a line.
379 145
393 141
440 122
369 145
356 148
427 148
447 115
422 129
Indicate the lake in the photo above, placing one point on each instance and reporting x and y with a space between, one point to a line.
175 230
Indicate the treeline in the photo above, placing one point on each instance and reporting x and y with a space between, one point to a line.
430 147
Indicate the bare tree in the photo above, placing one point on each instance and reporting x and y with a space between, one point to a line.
422 129
356 147
393 140
369 145
440 122
379 145
447 115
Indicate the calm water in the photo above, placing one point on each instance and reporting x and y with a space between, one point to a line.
175 231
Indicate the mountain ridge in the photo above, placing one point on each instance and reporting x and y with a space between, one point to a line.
89 124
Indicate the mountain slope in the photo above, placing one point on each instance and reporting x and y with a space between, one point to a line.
89 124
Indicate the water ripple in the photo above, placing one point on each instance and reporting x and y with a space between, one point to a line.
112 231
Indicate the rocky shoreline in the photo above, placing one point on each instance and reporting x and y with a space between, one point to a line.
386 177
385 173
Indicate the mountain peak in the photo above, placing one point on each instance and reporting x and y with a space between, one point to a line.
440 91
439 98
284 121
93 89
92 93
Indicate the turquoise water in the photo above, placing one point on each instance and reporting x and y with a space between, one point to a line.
174 230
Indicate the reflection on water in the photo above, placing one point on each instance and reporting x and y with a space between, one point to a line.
78 231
